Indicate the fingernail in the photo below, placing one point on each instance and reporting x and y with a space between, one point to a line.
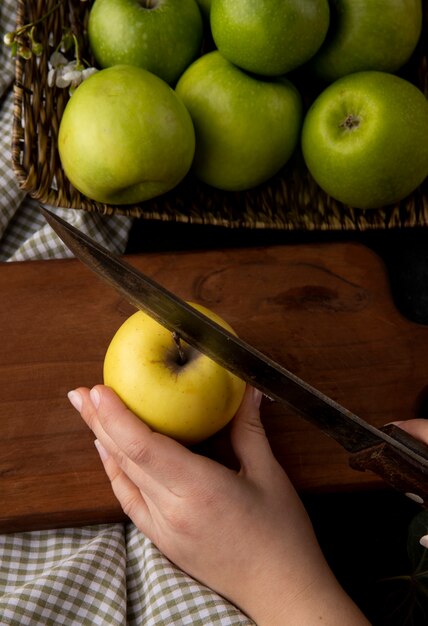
101 450
257 397
95 397
75 399
424 541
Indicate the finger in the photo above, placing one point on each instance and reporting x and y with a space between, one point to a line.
162 458
81 400
416 427
147 485
127 493
249 439
131 486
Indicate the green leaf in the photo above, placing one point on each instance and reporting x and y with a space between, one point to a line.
406 594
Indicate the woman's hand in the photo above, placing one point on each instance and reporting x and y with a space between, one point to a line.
244 534
418 428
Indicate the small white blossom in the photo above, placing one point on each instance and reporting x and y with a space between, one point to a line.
51 78
63 73
68 76
89 70
57 60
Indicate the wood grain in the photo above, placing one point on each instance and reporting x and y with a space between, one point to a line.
324 311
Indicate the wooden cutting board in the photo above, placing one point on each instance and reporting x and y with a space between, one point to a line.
324 311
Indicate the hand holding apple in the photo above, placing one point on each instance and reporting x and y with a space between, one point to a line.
161 36
125 136
245 534
364 139
172 387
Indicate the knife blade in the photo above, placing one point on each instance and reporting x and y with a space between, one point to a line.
398 458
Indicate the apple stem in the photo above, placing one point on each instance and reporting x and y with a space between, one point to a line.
350 122
148 4
181 354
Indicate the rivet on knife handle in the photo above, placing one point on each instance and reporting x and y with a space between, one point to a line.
396 468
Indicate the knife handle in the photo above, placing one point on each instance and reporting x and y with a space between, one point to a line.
395 467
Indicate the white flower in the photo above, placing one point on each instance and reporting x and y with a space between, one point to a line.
51 77
63 73
68 76
89 70
57 59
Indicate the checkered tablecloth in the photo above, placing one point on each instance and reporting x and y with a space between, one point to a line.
109 574
100 575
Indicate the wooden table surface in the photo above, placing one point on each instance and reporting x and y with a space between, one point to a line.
323 311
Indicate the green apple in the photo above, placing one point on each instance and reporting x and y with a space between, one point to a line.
125 136
269 37
172 387
364 139
162 36
368 35
246 128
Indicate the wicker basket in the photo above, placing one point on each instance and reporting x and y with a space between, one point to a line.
290 200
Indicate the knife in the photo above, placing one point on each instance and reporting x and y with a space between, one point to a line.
399 459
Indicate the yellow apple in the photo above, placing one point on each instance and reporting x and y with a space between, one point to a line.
188 397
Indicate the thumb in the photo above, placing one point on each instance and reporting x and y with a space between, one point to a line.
248 436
